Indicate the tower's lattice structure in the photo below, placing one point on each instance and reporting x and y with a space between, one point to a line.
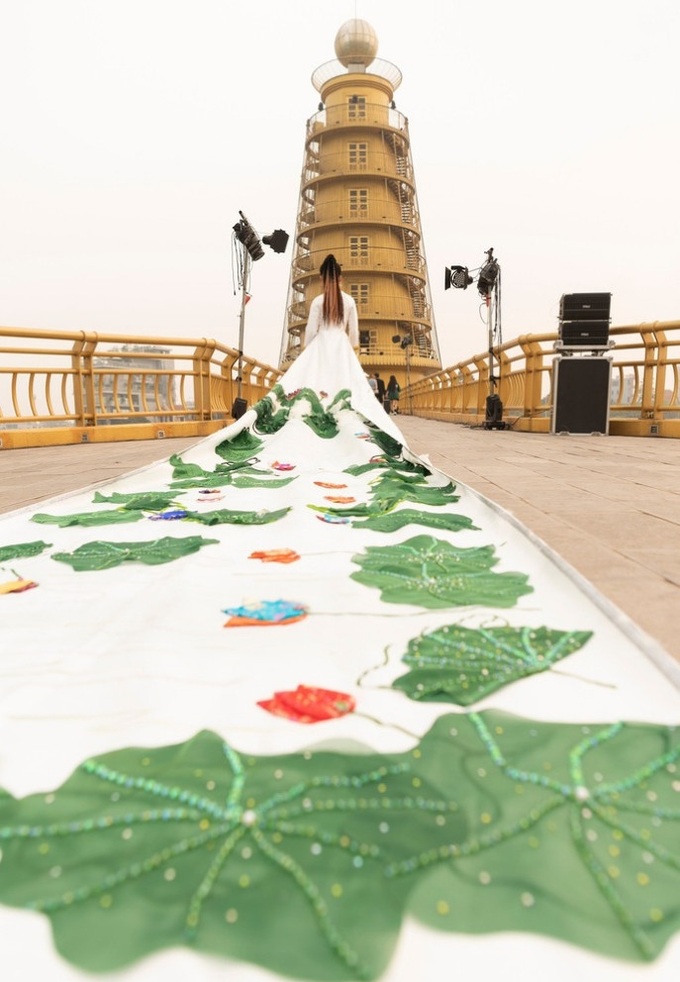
358 200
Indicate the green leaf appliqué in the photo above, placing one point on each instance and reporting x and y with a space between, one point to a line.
432 573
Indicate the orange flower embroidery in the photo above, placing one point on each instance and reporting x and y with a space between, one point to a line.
275 555
339 499
17 586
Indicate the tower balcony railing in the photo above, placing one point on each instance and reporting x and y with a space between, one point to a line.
376 164
379 307
379 259
370 114
387 211
644 398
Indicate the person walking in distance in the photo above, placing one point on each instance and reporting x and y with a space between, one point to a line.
393 391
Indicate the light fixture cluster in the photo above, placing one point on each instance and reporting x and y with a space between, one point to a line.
251 241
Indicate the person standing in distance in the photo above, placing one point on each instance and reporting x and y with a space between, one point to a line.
381 389
393 391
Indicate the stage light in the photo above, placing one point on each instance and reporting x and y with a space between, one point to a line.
487 275
277 241
248 238
457 276
252 251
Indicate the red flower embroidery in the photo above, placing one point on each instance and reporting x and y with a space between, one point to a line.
309 704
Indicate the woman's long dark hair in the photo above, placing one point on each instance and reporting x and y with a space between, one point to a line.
333 307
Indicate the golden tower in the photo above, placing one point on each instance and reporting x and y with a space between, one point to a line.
358 200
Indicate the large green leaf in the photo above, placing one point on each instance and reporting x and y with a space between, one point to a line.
270 417
462 665
225 516
394 520
574 832
182 468
188 475
490 823
198 845
256 482
139 501
429 572
22 550
241 447
404 466
105 555
404 487
219 478
387 443
89 519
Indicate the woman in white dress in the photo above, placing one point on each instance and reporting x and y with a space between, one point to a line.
329 361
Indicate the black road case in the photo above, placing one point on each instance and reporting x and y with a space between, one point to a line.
581 394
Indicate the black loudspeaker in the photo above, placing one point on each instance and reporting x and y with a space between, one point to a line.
581 393
585 306
575 333
584 319
239 407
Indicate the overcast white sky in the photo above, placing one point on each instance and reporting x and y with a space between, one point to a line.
132 132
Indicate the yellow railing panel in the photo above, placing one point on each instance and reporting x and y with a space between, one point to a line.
645 399
69 387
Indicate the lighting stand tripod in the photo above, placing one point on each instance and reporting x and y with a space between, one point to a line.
240 404
489 286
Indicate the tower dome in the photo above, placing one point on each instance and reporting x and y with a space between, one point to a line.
356 43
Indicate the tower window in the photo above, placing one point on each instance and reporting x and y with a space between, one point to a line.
358 201
368 342
358 250
357 107
360 293
358 156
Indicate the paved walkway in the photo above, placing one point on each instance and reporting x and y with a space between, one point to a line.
610 506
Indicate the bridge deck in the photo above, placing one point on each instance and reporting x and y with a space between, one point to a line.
610 506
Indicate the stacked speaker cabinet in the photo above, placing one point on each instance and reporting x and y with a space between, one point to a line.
581 390
584 320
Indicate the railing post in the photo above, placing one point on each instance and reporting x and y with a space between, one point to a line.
481 363
201 371
660 374
533 375
83 379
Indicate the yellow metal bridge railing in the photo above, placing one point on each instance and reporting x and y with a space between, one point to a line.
645 393
59 387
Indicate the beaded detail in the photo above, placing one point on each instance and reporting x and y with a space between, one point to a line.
463 665
144 849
